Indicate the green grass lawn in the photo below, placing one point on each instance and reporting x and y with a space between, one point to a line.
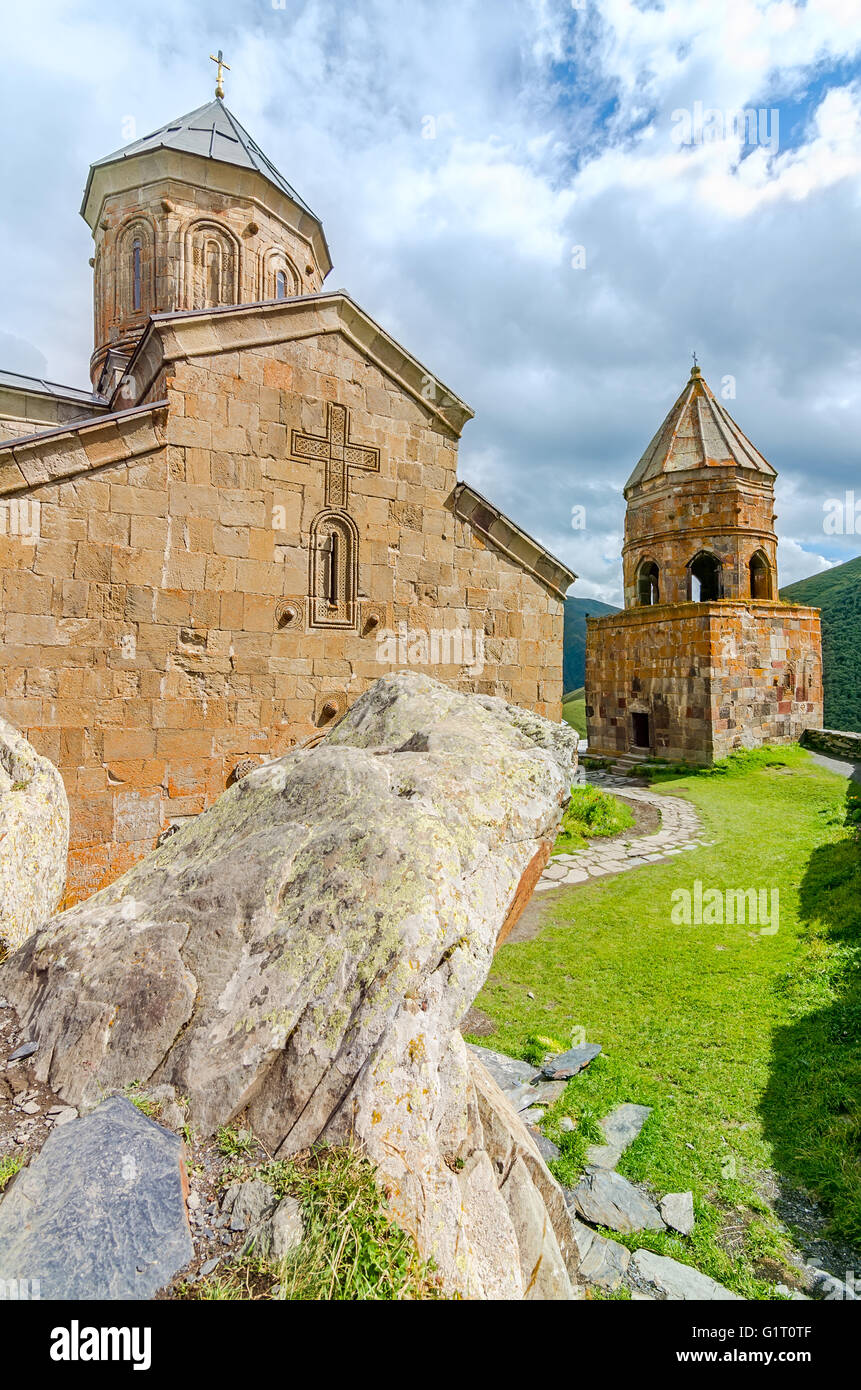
574 710
591 814
747 1046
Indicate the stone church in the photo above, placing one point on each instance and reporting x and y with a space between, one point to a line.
252 516
705 658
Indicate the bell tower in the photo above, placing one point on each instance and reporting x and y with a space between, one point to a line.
700 518
705 657
192 216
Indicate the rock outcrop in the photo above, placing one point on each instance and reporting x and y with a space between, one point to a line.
304 951
34 838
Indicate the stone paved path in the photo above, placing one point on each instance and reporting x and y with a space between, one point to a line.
680 830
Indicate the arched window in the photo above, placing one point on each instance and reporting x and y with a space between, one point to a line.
281 285
334 570
136 274
211 268
760 576
648 586
704 578
278 276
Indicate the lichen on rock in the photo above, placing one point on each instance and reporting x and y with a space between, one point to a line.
34 838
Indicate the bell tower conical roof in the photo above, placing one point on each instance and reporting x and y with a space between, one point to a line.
698 432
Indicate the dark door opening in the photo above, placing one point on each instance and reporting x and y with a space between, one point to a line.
641 730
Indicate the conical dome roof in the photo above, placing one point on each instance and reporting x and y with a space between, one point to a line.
212 132
698 433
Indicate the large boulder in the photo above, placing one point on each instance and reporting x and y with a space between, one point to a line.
34 838
304 951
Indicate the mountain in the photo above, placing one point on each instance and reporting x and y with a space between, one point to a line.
574 639
838 593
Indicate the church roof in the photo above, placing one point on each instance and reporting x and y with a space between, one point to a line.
212 132
698 433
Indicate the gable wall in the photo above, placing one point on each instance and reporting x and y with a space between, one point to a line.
139 634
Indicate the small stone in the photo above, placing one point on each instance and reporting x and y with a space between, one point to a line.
675 1280
287 1227
207 1267
248 1203
31 1107
193 1201
567 1125
25 1050
547 1149
677 1209
64 1115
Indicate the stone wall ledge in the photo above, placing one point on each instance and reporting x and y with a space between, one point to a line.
840 743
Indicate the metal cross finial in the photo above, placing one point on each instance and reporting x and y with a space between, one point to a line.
696 369
219 81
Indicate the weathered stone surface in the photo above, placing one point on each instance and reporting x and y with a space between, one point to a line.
248 1204
34 838
287 1227
607 1199
307 948
621 1128
677 1209
490 1251
100 1212
569 1063
541 1263
675 1280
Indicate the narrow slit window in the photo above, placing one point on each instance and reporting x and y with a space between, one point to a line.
136 275
281 285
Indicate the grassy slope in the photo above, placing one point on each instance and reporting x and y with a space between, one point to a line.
747 1046
838 593
574 710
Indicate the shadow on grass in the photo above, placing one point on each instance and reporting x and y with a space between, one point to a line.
811 1109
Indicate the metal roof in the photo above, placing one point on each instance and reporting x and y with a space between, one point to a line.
698 433
214 133
42 387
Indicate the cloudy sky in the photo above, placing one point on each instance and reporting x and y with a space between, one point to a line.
549 203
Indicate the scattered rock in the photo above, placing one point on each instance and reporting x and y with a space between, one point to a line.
248 1204
207 1267
26 1049
567 1125
547 1149
599 1260
607 1199
508 1072
100 1212
677 1209
676 1281
287 1227
569 1063
621 1128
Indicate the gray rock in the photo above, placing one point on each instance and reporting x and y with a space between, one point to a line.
569 1063
607 1199
599 1260
248 1204
677 1209
207 1267
34 833
100 1212
567 1125
26 1049
305 949
677 1281
547 1149
621 1128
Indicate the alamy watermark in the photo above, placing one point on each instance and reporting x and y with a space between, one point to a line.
752 907
698 125
842 515
437 646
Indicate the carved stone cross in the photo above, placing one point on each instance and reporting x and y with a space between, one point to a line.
339 453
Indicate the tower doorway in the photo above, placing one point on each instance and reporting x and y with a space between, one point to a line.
641 730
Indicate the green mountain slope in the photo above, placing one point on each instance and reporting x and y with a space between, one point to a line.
838 593
574 639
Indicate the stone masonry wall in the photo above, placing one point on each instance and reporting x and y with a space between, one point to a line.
154 637
711 676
